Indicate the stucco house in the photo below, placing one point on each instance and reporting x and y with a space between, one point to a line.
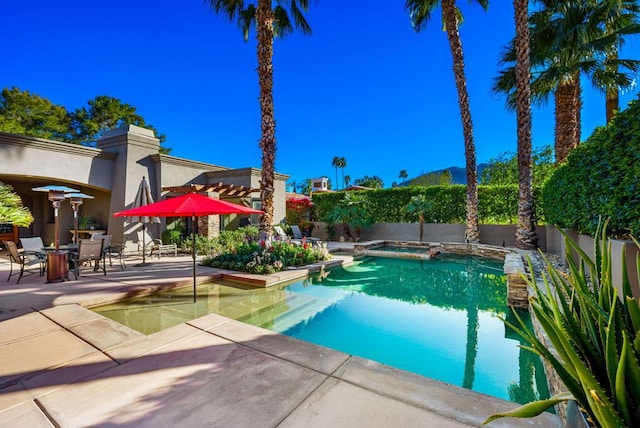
112 172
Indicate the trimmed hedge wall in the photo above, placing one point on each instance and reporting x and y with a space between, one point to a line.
496 204
600 179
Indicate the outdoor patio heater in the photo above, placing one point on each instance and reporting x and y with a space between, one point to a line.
57 261
76 201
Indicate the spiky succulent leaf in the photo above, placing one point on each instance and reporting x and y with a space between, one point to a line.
530 410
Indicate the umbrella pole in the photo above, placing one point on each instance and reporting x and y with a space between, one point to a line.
144 245
144 248
193 254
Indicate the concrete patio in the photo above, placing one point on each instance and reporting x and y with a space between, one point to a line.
62 365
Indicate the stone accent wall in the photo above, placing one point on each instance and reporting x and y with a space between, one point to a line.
209 225
518 295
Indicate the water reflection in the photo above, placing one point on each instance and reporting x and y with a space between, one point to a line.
438 318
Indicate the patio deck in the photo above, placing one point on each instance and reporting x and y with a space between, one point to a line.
63 365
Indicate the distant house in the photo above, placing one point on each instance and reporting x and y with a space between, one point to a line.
319 185
112 172
354 187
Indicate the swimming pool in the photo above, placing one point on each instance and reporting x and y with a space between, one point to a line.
437 318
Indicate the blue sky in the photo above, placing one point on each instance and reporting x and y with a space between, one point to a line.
363 86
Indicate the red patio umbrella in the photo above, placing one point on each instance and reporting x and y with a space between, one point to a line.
190 204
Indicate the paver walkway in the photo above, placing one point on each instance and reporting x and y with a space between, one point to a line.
63 365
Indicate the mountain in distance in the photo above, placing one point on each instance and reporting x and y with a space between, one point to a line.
458 174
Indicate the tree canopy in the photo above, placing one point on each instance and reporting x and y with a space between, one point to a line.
104 113
503 170
442 178
26 113
374 182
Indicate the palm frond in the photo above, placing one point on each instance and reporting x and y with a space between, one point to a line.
247 20
298 16
420 12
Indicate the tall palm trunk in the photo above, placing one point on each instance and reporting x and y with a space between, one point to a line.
612 103
567 113
455 44
265 33
526 237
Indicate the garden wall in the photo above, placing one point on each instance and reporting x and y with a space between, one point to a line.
556 246
549 240
490 234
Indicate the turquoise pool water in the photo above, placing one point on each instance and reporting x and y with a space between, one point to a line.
437 318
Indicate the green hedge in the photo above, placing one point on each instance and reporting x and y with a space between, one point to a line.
601 179
496 204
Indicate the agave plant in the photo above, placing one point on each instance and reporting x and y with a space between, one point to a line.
596 336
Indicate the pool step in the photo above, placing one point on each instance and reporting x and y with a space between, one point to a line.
265 317
300 308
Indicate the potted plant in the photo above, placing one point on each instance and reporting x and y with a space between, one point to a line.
85 222
596 336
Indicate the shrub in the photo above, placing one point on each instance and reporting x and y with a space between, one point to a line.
600 180
172 236
353 212
256 257
496 204
298 210
203 244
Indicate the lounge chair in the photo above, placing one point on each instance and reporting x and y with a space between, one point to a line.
280 235
88 251
297 234
24 259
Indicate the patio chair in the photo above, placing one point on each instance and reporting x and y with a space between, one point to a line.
34 245
156 245
110 249
297 234
24 259
88 251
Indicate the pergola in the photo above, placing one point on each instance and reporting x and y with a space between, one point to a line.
225 191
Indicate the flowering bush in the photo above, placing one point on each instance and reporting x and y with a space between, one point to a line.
257 257
298 210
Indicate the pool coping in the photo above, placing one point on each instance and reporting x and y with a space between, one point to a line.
346 387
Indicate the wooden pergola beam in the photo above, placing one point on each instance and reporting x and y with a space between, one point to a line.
224 190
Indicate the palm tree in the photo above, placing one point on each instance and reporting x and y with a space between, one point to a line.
526 237
336 164
269 22
347 180
403 175
343 164
420 13
420 205
568 39
623 15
